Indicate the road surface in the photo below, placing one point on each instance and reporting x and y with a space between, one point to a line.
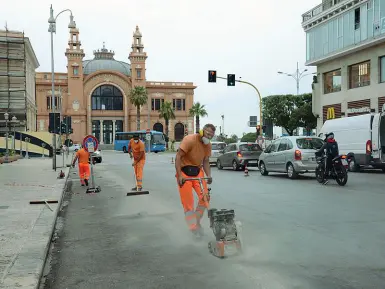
298 233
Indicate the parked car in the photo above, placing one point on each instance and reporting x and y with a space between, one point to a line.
216 148
74 148
292 155
238 155
97 155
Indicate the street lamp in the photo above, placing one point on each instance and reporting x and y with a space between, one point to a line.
297 75
52 30
6 117
14 121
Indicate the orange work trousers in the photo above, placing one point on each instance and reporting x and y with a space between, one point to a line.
84 172
192 216
138 168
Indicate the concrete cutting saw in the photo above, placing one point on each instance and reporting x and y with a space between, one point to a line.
226 229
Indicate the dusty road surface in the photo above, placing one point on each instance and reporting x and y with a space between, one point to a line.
298 234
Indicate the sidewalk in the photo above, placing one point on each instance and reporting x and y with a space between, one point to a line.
26 230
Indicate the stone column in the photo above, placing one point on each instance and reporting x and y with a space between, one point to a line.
101 132
113 130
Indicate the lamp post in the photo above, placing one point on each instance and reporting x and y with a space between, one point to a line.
14 121
52 30
6 117
297 75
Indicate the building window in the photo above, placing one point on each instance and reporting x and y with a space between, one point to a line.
74 37
107 97
359 74
179 104
156 103
138 73
76 70
357 17
332 81
50 104
382 69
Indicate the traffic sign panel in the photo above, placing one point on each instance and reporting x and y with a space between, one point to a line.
90 143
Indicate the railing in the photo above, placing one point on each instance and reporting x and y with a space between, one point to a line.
326 5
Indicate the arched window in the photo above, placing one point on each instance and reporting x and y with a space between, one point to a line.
178 131
158 127
107 97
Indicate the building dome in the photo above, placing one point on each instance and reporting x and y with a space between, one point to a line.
104 60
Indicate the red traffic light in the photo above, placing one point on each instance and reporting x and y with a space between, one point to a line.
212 76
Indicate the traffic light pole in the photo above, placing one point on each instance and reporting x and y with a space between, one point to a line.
259 96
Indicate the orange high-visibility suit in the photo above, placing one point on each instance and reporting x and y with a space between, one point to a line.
195 152
83 158
136 149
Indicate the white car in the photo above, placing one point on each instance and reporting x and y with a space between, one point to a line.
74 148
216 150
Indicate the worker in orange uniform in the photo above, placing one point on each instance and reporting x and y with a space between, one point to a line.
137 150
194 151
83 158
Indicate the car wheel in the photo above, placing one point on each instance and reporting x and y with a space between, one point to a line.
219 165
291 173
262 169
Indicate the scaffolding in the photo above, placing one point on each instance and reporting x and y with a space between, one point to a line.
13 88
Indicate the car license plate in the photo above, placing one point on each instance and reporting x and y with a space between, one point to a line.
252 162
344 162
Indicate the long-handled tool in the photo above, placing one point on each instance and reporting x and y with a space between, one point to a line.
137 192
93 188
226 230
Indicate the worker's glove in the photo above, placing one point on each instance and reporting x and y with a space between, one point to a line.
133 164
181 181
210 180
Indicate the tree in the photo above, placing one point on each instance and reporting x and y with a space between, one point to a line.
166 111
289 111
249 137
197 111
138 97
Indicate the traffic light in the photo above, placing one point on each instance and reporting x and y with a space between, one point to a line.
71 131
230 79
212 76
63 127
54 118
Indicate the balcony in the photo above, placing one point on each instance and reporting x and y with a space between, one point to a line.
326 5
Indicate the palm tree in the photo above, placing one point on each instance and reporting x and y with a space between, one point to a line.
138 97
166 111
197 111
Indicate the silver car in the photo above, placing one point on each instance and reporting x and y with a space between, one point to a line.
216 148
238 155
292 155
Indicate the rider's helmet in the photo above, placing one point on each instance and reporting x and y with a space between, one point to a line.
330 135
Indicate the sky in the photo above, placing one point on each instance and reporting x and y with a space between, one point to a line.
252 39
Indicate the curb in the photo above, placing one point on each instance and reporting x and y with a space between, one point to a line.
28 267
52 231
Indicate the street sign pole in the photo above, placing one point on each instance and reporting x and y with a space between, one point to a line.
148 140
90 144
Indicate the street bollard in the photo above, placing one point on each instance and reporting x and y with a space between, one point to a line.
43 145
26 147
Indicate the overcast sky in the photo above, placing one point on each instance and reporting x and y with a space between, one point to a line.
252 39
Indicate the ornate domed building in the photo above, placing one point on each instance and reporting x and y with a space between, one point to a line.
95 93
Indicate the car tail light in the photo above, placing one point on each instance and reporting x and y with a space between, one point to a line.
239 154
297 155
368 147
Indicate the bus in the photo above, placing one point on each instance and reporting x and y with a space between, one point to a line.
157 144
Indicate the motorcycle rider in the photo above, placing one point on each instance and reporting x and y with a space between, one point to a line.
331 147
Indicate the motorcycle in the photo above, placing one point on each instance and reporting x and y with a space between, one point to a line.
337 172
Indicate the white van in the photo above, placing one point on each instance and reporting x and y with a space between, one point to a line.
361 138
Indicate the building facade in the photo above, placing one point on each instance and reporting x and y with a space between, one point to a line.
95 93
345 39
18 64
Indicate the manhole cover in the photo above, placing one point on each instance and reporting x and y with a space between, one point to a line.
4 207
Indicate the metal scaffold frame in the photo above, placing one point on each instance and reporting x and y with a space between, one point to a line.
13 73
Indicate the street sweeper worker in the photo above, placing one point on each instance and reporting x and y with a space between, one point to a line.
137 150
193 154
83 158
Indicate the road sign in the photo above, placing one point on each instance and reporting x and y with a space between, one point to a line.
90 143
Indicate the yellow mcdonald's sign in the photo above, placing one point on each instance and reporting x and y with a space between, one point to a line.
330 113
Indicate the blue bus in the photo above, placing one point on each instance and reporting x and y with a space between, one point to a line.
157 144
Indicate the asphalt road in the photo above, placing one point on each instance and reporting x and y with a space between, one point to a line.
297 233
